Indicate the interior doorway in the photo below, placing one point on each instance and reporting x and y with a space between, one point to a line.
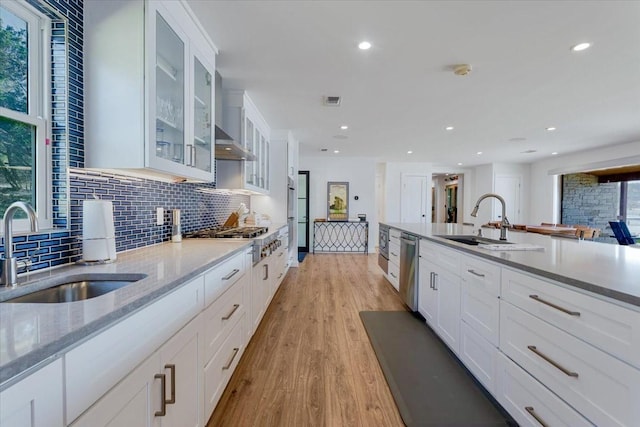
451 203
303 211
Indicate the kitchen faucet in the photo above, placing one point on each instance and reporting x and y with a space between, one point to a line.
8 263
505 222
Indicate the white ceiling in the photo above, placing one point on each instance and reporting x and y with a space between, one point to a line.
402 93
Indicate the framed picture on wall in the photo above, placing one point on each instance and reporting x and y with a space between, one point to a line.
337 201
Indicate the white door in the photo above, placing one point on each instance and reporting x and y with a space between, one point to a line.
414 199
508 186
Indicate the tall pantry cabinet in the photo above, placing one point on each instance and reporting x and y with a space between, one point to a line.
149 90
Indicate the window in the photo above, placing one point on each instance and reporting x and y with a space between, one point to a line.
630 205
24 110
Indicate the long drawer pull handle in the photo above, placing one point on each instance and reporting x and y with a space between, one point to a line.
233 310
230 275
233 356
393 254
393 275
475 273
553 362
557 307
163 399
172 368
431 273
532 412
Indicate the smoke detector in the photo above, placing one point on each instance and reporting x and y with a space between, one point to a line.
331 101
461 69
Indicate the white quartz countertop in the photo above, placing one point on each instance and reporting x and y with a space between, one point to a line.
605 269
32 334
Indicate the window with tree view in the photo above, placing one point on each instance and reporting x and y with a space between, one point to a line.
23 108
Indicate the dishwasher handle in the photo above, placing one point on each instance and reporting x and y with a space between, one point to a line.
408 241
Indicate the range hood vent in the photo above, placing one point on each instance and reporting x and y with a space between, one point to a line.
228 149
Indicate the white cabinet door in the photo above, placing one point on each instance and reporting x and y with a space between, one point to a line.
36 401
260 292
179 363
479 356
427 296
447 286
132 402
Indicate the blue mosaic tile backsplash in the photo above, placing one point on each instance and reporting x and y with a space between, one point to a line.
134 200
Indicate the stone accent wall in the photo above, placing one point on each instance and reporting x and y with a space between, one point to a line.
586 202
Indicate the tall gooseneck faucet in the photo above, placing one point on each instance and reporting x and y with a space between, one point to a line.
505 222
8 263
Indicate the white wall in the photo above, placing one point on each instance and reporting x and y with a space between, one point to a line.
275 204
360 173
544 192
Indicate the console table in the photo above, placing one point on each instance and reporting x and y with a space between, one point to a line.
341 236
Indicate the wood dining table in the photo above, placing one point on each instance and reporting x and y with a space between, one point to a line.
550 229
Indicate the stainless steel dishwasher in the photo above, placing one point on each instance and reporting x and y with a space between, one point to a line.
409 270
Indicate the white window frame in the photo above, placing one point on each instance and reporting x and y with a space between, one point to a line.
39 109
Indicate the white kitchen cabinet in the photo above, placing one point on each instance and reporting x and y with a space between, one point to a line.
602 388
140 400
261 289
529 402
480 292
35 401
393 268
148 90
245 124
439 295
479 356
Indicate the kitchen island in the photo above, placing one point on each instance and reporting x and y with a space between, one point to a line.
552 332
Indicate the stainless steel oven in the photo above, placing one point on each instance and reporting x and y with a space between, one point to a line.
383 247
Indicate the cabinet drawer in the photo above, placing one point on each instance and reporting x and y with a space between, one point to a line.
394 236
481 275
219 278
438 254
603 389
525 399
610 327
219 369
479 356
481 311
394 253
394 275
112 354
222 315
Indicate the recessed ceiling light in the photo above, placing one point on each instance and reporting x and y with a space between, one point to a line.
344 127
551 128
459 164
409 152
336 151
554 153
364 45
581 46
449 128
479 153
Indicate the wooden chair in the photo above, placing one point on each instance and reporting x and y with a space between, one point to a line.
586 232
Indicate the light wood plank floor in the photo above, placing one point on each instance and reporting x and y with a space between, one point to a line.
310 363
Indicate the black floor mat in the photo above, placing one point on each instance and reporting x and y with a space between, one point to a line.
429 385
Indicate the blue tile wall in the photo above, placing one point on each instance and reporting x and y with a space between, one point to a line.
134 200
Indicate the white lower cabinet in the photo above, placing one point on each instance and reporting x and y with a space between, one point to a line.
602 388
260 291
140 399
530 403
479 356
36 401
218 370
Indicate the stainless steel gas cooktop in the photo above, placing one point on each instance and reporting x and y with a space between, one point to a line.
227 232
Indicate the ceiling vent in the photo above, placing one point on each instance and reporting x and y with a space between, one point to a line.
332 101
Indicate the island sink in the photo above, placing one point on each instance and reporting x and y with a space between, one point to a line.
79 288
470 239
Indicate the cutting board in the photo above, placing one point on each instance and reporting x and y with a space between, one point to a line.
232 221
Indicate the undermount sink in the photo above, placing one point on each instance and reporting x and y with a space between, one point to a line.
470 239
79 288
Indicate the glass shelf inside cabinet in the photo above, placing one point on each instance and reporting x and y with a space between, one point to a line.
170 53
202 103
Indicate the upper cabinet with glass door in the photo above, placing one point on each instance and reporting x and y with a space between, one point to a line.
149 92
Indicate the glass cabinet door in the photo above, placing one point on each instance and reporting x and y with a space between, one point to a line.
249 142
200 151
170 96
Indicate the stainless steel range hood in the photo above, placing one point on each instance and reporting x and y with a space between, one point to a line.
228 149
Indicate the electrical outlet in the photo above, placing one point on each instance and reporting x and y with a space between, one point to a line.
159 216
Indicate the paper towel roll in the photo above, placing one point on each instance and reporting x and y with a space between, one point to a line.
97 219
98 231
